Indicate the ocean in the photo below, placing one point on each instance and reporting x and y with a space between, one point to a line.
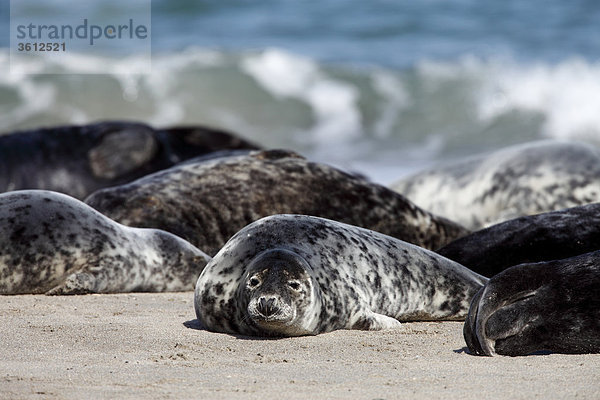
379 87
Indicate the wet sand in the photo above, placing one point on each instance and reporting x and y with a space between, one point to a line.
150 346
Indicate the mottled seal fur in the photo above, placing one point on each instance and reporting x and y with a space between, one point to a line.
290 275
543 237
78 160
52 243
521 180
548 306
207 202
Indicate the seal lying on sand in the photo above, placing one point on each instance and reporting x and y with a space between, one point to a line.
521 180
552 306
543 237
78 160
52 243
207 202
290 275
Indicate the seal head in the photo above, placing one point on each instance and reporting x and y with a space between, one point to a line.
278 294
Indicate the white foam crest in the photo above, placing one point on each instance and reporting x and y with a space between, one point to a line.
18 67
190 57
568 95
333 102
164 82
33 96
437 72
280 73
395 97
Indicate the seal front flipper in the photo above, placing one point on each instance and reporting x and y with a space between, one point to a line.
376 322
470 327
100 276
122 151
489 322
75 283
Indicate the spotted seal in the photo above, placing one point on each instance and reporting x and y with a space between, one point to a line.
207 202
291 275
52 243
544 237
547 306
521 180
78 160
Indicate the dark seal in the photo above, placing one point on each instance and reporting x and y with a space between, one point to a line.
550 306
291 275
543 237
207 202
521 180
52 243
78 160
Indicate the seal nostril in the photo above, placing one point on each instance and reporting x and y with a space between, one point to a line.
266 306
262 305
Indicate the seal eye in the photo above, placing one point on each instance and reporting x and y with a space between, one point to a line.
295 285
253 282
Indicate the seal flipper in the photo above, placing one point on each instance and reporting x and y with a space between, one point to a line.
123 151
492 316
119 275
75 283
91 278
372 321
106 276
470 327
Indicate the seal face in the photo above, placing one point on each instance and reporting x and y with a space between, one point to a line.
78 160
278 293
289 275
517 181
206 202
549 306
544 237
52 243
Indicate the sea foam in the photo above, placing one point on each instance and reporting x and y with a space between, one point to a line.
344 113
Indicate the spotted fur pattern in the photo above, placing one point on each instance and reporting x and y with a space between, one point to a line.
517 181
207 202
353 278
53 243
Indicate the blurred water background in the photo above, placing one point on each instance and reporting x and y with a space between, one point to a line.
381 87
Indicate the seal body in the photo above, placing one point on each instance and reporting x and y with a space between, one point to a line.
521 180
206 202
289 275
78 160
52 243
544 237
548 306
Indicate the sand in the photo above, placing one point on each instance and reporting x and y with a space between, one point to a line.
150 346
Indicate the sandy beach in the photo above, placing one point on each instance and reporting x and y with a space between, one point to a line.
150 346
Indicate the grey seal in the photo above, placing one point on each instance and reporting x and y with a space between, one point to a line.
521 180
548 306
52 243
78 160
291 275
544 237
206 202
